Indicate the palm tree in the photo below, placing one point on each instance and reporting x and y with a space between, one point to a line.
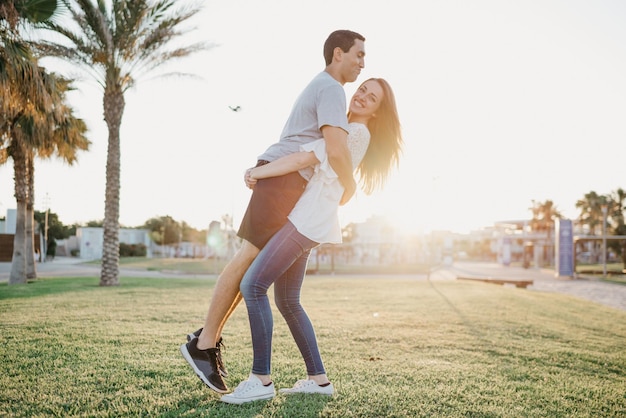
36 127
591 214
22 93
544 216
65 138
29 221
618 197
117 43
591 211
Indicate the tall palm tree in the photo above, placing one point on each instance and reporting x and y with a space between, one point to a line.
23 93
117 43
37 127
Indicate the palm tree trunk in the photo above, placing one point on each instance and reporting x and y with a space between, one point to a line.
113 102
31 270
18 261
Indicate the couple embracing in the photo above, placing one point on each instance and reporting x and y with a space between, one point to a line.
297 187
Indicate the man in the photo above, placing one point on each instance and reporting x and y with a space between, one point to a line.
319 112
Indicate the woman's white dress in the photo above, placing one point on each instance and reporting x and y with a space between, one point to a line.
316 213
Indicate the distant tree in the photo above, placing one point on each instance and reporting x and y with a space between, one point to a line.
56 228
617 207
618 200
590 207
592 216
163 230
117 43
191 234
544 215
94 223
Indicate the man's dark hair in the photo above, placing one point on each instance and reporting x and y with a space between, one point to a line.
343 39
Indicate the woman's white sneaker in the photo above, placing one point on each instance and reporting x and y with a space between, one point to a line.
250 390
309 386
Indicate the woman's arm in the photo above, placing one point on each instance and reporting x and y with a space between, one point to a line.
284 165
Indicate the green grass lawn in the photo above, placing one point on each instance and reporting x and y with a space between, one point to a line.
214 266
393 347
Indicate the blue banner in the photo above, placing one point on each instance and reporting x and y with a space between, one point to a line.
564 248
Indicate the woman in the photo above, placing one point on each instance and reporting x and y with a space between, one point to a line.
375 142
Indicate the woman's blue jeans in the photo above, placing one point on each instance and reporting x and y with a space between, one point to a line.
281 262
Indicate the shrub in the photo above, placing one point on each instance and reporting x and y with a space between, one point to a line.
132 250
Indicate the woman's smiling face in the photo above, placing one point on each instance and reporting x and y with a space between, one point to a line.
366 100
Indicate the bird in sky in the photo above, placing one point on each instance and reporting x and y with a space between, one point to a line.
235 108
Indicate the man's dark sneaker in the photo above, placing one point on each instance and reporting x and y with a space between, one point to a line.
220 345
194 334
204 364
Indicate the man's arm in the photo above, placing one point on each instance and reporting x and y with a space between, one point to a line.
284 165
340 159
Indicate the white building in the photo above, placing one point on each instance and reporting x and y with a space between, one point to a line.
90 241
8 225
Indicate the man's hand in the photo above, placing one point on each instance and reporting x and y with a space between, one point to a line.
250 182
348 193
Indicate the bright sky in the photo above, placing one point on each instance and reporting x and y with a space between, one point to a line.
502 102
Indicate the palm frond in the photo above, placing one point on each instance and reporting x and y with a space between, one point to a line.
125 41
36 10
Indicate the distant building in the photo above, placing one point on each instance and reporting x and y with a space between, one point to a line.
7 235
8 225
90 241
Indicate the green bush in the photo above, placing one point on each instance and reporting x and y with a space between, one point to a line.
132 250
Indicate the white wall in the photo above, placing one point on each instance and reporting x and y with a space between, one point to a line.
91 239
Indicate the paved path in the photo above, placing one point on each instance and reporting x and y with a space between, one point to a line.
609 294
544 280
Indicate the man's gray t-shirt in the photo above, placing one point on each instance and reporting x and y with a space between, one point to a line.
322 102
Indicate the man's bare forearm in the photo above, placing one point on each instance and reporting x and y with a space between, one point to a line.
284 165
340 159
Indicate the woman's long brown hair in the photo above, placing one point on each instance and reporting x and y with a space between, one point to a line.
386 142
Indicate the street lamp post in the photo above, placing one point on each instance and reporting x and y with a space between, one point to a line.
44 250
163 240
604 211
